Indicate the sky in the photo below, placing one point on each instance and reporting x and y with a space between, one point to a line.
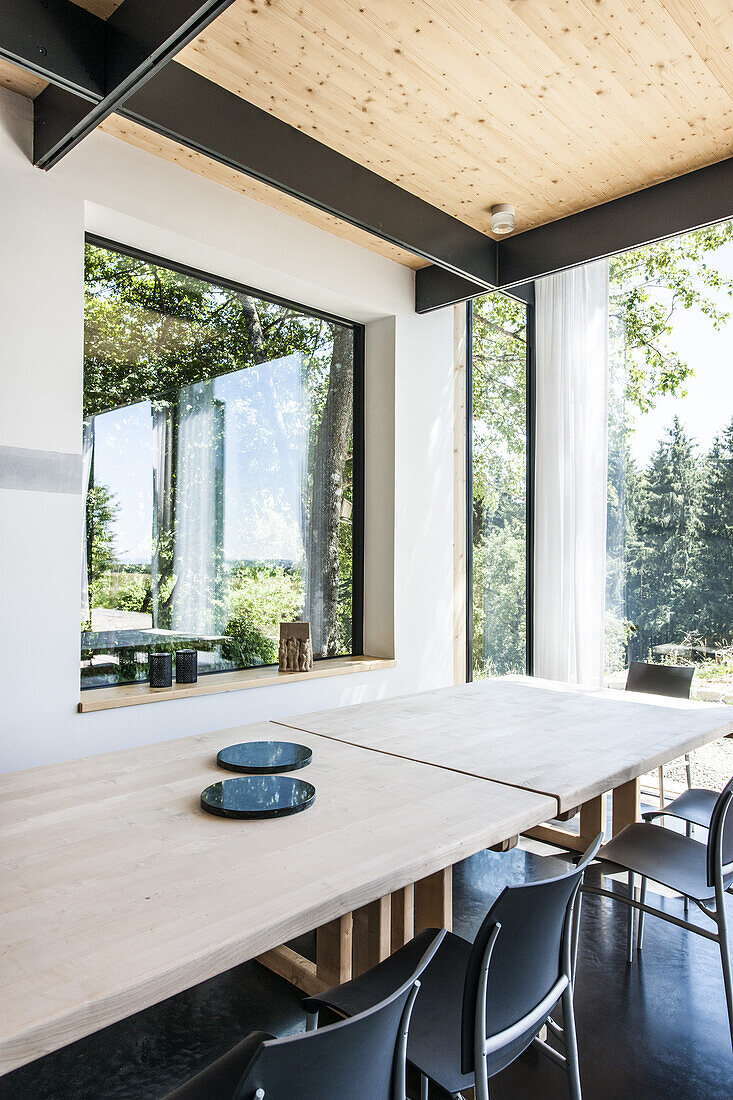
265 417
708 407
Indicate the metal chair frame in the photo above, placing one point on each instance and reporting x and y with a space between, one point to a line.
540 1015
717 871
636 666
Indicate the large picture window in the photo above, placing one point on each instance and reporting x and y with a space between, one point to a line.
499 505
222 457
669 588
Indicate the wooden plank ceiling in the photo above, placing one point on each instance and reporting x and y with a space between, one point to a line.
553 105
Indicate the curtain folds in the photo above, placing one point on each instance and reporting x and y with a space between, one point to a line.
87 452
571 474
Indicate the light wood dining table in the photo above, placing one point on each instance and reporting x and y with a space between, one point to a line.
571 743
117 890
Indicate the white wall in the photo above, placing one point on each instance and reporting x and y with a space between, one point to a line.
109 188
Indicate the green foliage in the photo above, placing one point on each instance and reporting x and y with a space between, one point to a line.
149 331
499 470
248 645
266 595
499 610
670 534
101 516
672 576
647 287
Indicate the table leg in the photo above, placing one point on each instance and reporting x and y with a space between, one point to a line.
372 934
626 806
403 916
592 822
434 901
593 818
333 951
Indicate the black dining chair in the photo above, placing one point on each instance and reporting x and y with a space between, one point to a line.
674 681
360 1057
482 1003
701 872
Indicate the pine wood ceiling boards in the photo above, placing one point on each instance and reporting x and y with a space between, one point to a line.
554 106
117 890
570 742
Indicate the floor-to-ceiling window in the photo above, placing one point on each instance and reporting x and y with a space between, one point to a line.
222 458
499 397
670 480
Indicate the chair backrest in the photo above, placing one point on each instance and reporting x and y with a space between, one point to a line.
672 680
530 956
362 1056
720 835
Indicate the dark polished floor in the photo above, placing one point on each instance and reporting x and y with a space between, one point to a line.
654 1029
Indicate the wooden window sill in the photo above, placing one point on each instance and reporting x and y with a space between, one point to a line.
133 695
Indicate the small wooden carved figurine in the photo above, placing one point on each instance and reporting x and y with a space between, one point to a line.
296 649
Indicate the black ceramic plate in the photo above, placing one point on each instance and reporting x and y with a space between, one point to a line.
258 796
264 757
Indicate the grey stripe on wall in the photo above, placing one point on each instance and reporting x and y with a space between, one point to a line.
40 471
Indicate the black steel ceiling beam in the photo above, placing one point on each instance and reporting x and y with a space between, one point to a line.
680 205
179 104
137 40
56 40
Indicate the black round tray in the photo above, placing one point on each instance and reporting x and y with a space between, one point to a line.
258 796
264 757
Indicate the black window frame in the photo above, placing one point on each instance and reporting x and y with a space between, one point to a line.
359 479
527 297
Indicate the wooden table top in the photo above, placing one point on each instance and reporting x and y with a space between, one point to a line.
117 890
559 739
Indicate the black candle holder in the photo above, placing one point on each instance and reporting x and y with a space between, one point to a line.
160 670
186 666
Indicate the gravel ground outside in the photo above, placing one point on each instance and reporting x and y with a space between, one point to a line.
712 766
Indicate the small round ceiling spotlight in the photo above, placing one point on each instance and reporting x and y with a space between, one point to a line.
502 218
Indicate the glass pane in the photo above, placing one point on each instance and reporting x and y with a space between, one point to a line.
499 431
669 591
218 447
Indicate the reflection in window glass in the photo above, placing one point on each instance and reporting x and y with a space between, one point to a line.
218 458
499 459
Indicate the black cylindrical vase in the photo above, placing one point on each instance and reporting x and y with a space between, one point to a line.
186 666
160 670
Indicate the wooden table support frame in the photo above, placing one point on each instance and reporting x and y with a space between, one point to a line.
625 810
348 946
592 822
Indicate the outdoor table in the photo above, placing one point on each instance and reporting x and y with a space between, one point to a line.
117 890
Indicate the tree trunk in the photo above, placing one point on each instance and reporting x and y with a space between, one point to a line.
331 452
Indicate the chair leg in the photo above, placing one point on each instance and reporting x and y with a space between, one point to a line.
311 1021
642 914
630 920
688 768
725 958
570 1040
424 1085
661 788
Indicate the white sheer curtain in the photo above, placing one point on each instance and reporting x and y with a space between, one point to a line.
571 474
198 511
87 450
